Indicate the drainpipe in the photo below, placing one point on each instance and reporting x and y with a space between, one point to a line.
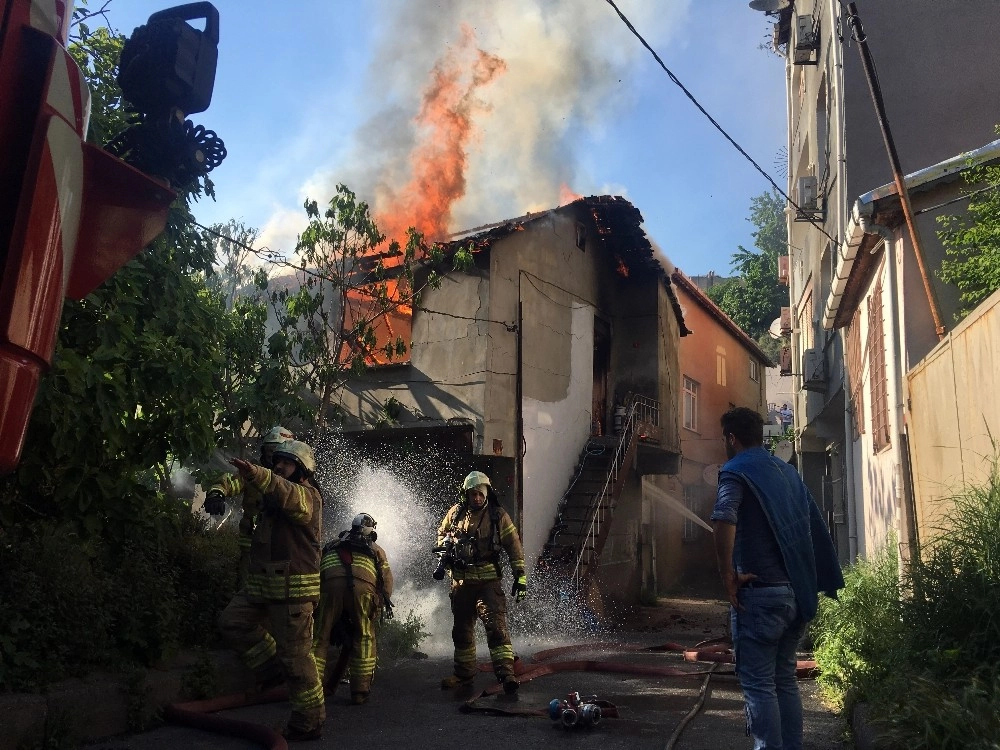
850 494
904 488
519 414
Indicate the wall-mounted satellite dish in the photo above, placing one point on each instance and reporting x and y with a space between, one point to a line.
710 475
770 6
784 450
774 330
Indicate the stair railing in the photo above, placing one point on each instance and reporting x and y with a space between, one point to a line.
639 410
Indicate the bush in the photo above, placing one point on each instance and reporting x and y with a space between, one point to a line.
859 636
927 661
399 639
67 607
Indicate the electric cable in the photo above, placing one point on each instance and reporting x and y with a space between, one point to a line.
718 127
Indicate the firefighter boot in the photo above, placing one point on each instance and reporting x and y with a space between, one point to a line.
510 684
454 681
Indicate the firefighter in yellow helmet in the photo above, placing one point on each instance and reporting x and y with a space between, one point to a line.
270 620
231 485
473 533
356 585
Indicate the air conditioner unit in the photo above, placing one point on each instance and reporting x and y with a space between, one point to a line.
786 321
785 361
806 194
783 269
813 370
806 41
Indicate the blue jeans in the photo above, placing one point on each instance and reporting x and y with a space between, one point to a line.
766 634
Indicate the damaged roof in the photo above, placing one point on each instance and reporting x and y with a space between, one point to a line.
619 230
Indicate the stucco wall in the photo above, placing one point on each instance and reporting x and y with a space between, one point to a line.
877 490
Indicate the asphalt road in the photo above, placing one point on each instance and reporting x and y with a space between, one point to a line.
408 708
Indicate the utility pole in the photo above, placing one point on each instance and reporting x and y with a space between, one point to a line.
858 34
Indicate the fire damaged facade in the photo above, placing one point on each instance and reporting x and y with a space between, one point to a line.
554 363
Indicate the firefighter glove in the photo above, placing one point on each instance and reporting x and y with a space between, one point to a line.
520 588
215 503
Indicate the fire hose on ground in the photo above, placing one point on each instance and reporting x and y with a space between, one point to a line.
200 714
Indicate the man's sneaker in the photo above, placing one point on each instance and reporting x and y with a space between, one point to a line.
293 734
510 684
454 681
359 698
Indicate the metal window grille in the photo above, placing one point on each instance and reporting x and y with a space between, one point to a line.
879 383
855 369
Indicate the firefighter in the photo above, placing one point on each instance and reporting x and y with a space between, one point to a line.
476 529
270 620
231 485
356 586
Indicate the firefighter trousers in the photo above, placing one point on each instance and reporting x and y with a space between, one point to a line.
482 600
360 606
267 633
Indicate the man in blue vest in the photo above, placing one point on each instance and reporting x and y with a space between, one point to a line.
775 555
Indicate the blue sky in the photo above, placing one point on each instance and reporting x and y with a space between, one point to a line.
310 93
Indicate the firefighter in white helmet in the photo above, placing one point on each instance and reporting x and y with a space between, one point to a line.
270 620
355 589
232 485
474 531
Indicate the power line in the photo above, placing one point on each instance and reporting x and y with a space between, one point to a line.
718 127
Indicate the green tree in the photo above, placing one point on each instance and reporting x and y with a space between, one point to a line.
131 387
972 242
253 383
754 298
351 294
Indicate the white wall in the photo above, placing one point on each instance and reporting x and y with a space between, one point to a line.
555 434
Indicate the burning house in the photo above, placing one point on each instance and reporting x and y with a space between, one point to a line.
553 364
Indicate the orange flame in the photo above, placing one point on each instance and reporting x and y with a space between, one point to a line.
437 173
446 125
566 194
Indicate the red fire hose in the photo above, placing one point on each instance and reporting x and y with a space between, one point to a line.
199 714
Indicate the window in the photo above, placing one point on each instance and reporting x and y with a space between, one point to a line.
754 370
806 322
878 381
720 365
855 372
691 388
691 529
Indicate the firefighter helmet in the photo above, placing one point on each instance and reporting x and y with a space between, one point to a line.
364 525
476 480
299 452
277 435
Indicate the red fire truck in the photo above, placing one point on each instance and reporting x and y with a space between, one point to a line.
72 213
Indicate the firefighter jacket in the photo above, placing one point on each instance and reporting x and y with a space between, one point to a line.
232 485
482 534
367 562
285 550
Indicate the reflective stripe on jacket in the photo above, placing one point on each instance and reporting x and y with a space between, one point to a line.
232 485
285 550
462 520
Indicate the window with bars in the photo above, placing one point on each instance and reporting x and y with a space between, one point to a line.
855 371
878 381
691 389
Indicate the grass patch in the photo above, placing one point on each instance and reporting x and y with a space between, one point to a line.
921 645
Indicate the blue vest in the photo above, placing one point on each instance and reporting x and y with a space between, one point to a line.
806 546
